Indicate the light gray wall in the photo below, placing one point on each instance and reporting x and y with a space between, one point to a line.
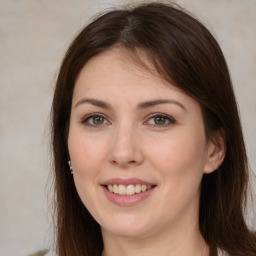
33 38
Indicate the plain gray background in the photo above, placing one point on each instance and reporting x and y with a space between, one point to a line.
33 38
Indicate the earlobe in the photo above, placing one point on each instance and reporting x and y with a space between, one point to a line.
216 151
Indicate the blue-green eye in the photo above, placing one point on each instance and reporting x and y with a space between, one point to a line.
95 120
160 120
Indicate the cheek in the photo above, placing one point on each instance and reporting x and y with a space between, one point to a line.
181 157
87 156
86 153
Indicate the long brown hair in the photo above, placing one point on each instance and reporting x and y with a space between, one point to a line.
185 53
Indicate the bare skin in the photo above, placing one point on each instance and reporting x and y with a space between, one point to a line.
127 124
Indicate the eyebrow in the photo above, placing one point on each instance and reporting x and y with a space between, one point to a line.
149 104
97 103
142 105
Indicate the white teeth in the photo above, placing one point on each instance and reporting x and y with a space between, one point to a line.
122 190
110 188
138 188
115 189
128 190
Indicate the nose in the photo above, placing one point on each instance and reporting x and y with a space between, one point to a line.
125 149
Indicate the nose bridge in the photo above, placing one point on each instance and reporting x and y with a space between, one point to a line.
125 149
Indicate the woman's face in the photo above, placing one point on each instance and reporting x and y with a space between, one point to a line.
132 134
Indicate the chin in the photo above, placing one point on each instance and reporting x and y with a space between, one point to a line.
128 228
127 233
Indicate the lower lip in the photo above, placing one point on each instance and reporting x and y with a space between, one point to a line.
127 200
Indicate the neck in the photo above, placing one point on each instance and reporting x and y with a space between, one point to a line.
185 243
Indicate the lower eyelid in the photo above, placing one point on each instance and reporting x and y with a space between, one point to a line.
86 118
170 119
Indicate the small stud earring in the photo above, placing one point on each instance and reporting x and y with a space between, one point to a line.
70 167
215 167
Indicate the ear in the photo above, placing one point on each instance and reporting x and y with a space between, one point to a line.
216 151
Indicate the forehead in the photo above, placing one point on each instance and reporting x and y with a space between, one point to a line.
118 68
120 78
119 59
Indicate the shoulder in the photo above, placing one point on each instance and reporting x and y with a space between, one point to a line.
42 253
50 253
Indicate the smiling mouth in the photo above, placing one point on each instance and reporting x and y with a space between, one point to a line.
128 190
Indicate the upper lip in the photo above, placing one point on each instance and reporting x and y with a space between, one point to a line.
120 181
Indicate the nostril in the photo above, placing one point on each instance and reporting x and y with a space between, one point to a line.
124 163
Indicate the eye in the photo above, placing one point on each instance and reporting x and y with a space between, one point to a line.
160 120
95 120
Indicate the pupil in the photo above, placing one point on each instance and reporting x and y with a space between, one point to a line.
98 120
159 120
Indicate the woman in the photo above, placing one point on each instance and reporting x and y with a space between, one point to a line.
149 156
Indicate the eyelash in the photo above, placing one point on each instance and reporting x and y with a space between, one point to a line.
86 119
167 118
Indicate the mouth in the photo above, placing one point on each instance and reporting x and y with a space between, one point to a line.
128 190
